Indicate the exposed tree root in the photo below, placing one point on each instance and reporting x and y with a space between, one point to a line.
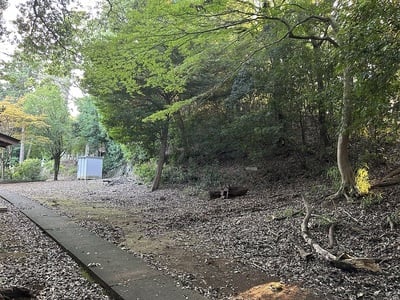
346 191
343 261
331 236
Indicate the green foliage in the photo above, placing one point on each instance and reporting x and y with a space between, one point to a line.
371 199
175 175
163 115
47 101
259 81
200 176
394 218
28 170
145 171
333 174
135 153
114 157
18 77
87 127
325 220
89 132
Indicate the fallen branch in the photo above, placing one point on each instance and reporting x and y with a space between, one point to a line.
285 216
392 178
386 182
303 253
331 236
344 261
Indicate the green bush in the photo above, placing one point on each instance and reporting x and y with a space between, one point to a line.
333 174
174 174
30 169
145 171
201 176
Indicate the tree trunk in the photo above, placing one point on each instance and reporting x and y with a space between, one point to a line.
87 149
57 160
161 156
28 153
185 141
2 164
348 187
22 146
323 130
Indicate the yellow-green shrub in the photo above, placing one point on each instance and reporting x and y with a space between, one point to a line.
362 181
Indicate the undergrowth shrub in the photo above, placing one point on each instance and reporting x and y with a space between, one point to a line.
333 175
362 181
29 169
145 171
370 200
201 176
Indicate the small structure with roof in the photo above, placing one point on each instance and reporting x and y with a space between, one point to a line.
6 140
90 167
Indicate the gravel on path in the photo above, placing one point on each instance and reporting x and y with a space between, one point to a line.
33 262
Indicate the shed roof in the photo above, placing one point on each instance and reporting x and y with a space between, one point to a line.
6 140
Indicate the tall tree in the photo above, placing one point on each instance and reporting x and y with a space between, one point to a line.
88 127
47 100
16 122
147 70
327 23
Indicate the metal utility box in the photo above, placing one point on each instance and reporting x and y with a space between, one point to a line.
90 167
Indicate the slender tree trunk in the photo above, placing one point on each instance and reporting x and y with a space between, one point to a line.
323 130
28 153
2 164
57 160
22 146
87 150
161 156
185 141
348 187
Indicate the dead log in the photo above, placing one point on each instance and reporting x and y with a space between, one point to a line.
392 178
228 192
386 182
343 261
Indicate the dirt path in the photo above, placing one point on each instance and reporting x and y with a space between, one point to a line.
224 247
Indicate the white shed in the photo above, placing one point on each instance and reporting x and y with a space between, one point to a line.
90 167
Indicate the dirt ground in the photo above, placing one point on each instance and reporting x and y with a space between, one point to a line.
225 247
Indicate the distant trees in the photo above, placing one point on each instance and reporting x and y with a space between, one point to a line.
90 137
16 122
47 101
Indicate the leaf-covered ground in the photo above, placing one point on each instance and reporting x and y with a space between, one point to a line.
223 247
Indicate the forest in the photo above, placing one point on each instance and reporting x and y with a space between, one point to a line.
178 86
218 96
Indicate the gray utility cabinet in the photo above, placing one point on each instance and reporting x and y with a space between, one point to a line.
90 167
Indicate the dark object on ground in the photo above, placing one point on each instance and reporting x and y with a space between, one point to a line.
228 192
17 293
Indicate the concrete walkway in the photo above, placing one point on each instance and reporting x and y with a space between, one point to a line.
122 274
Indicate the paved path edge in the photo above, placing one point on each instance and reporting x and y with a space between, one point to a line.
120 273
